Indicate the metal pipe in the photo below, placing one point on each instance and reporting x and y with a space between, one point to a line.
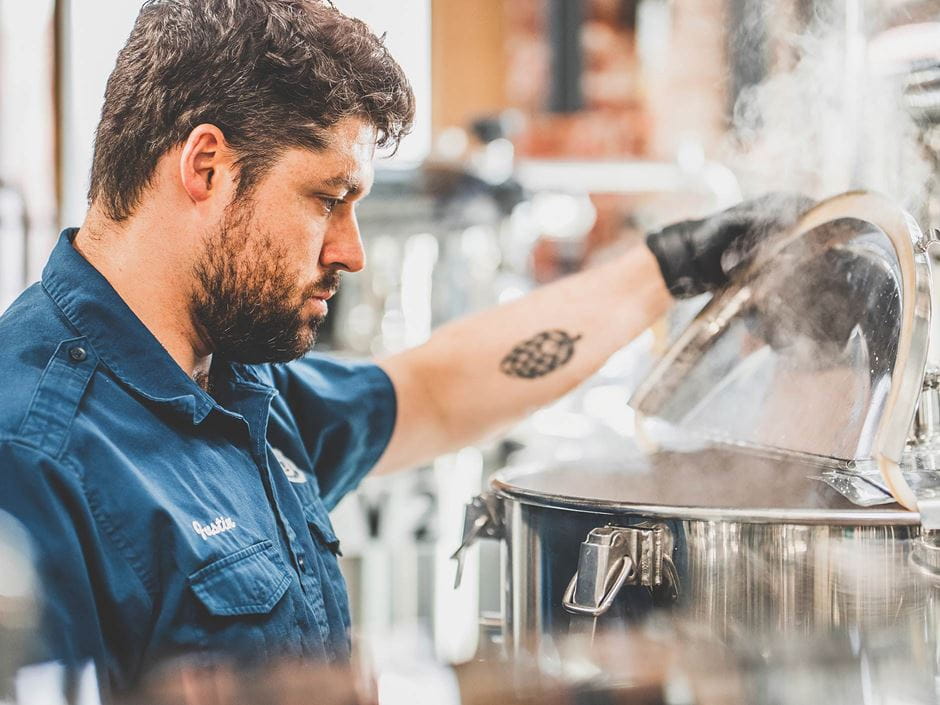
564 34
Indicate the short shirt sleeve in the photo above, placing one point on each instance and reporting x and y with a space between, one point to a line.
46 499
343 413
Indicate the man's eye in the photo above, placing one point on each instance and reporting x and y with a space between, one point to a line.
330 204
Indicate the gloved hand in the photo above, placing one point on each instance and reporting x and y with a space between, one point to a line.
696 256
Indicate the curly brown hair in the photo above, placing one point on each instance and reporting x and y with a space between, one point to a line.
270 74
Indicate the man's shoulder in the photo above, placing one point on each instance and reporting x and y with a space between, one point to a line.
33 312
323 374
32 330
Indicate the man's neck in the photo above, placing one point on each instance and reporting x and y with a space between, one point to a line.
141 267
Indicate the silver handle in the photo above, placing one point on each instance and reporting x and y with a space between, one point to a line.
627 571
614 556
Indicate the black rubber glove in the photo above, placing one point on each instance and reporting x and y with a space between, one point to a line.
696 256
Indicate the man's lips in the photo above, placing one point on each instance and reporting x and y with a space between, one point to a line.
318 302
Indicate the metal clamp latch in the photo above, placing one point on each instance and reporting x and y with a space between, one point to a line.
614 556
925 554
481 520
926 426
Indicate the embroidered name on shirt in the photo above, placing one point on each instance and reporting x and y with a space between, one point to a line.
220 525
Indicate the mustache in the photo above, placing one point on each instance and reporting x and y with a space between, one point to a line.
327 283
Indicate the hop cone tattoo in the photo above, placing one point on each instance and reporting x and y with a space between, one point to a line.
539 355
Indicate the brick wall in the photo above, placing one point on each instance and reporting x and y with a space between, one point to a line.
631 110
637 104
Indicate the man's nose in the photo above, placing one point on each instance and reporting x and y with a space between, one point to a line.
342 245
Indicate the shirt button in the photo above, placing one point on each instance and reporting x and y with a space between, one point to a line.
302 563
78 354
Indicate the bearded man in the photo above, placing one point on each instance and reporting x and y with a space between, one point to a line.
164 437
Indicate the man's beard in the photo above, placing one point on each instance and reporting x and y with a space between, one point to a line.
246 299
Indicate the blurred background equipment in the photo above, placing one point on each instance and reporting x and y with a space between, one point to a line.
19 605
661 662
28 134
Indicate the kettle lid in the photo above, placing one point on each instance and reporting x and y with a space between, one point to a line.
817 347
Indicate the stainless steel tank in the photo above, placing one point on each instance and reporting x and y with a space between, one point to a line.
781 485
776 553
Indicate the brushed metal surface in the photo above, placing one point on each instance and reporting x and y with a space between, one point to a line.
740 580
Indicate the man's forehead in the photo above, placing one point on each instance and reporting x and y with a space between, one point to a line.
345 157
351 137
347 170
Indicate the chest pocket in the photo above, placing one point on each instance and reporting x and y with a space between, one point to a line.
249 581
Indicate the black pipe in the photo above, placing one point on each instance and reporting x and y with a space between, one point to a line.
564 36
747 46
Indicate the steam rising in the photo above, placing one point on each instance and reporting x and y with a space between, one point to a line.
830 117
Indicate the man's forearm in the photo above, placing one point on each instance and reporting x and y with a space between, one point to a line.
476 375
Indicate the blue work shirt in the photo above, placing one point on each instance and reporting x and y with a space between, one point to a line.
164 519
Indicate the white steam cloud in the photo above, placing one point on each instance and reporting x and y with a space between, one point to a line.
832 119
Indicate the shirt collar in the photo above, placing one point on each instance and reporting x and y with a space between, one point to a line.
120 339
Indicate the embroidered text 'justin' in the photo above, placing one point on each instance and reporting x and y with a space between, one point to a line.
216 527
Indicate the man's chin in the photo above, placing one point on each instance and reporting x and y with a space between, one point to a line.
308 338
301 344
305 339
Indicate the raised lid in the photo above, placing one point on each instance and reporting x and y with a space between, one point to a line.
817 347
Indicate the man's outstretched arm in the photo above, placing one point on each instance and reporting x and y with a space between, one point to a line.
477 375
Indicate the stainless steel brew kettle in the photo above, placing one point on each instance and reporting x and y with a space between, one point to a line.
782 481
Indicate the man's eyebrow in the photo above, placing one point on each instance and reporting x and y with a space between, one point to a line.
351 186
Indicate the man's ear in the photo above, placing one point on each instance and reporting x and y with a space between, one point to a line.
204 163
